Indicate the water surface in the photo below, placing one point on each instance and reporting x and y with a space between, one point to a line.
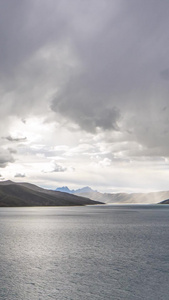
92 252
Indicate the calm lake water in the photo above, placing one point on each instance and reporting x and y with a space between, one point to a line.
97 252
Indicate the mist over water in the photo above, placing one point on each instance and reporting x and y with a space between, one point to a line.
96 252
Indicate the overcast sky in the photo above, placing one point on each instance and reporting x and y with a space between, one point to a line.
84 93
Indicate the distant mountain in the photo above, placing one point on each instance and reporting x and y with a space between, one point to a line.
83 190
64 189
26 194
122 198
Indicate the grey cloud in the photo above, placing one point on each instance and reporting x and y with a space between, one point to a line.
55 168
58 168
165 74
88 115
11 139
119 81
5 158
25 27
19 175
12 151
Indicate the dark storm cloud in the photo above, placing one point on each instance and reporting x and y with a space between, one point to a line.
121 62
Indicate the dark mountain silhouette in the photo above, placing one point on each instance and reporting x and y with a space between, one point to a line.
165 202
26 194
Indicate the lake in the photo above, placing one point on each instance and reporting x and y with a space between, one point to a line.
93 252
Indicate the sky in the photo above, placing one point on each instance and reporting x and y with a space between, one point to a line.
84 94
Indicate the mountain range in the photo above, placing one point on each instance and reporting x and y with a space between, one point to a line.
26 194
83 190
119 198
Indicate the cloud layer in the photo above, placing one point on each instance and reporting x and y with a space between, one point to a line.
85 85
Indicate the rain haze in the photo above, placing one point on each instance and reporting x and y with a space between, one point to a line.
84 94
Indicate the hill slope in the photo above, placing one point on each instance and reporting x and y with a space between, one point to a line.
25 194
165 202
